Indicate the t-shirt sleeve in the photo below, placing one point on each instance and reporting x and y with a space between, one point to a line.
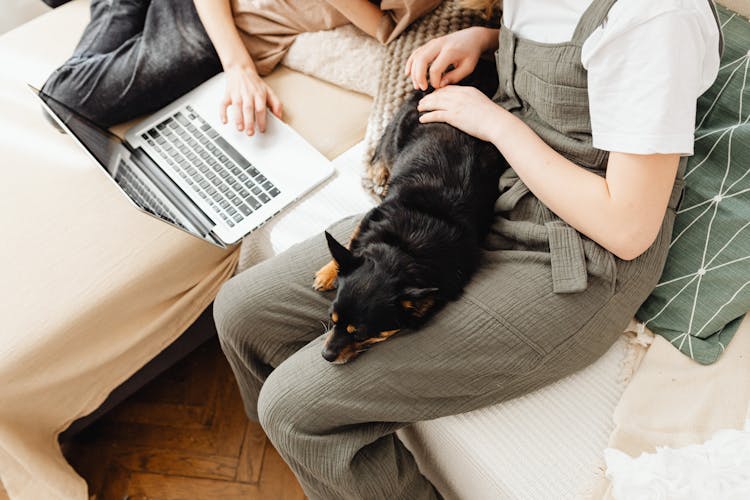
399 14
647 66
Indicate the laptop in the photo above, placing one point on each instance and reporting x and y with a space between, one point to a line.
185 167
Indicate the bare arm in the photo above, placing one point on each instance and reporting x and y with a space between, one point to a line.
363 14
622 211
461 49
217 18
245 91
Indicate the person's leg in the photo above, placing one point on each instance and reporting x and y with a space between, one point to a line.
334 424
113 80
270 311
112 23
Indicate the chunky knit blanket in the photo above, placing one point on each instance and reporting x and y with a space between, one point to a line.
394 87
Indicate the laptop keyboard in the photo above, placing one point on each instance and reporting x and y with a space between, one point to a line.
216 171
143 195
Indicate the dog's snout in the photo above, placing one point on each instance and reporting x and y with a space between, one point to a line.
329 354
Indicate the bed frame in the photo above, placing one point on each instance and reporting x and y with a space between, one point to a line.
199 332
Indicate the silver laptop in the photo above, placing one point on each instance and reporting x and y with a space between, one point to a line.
185 167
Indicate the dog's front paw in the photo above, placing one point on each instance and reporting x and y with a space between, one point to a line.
379 173
325 278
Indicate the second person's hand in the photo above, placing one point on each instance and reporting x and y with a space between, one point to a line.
460 49
250 96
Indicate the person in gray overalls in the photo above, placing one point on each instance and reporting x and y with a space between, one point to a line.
579 240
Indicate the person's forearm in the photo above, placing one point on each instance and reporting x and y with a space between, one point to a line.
217 19
363 14
488 38
581 198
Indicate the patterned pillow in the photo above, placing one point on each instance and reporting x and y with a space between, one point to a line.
705 288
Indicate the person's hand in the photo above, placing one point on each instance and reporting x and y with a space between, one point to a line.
466 108
250 96
460 49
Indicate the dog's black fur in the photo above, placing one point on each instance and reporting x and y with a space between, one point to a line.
419 247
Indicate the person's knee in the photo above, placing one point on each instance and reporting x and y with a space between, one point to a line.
291 408
281 409
69 86
233 311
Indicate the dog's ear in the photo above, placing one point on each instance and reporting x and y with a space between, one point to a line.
418 301
346 261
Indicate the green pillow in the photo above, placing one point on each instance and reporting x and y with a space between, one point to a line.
705 288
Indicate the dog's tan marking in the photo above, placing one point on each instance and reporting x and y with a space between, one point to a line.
335 317
380 338
351 328
354 235
418 309
352 350
347 353
388 333
379 173
325 278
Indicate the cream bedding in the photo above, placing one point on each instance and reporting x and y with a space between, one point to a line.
92 289
86 302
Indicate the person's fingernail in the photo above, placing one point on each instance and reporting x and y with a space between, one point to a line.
239 127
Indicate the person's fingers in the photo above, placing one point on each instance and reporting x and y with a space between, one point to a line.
248 113
274 103
237 106
426 55
433 116
427 103
419 73
432 101
409 61
438 67
461 71
223 105
260 112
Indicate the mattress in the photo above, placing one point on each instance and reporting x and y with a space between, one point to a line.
93 288
545 444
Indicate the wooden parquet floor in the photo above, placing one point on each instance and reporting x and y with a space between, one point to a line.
183 436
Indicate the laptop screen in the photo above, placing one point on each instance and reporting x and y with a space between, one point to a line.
100 143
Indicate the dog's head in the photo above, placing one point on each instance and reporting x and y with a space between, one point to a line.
372 303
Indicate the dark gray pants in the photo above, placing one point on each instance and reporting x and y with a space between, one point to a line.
134 57
511 332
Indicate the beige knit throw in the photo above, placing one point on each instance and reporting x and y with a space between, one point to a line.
394 87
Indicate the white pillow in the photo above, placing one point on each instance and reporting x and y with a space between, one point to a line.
718 469
344 56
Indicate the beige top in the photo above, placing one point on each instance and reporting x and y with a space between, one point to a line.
268 27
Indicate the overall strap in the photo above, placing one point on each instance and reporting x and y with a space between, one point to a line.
718 23
591 19
597 12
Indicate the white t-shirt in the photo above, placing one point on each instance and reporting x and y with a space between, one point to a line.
647 65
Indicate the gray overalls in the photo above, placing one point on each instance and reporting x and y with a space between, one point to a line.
545 303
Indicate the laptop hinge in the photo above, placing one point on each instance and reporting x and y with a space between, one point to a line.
172 191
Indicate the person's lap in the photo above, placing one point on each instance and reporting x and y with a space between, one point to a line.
495 336
507 335
134 57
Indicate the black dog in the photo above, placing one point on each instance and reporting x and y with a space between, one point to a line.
419 247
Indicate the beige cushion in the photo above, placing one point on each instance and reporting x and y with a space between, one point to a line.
741 7
92 287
